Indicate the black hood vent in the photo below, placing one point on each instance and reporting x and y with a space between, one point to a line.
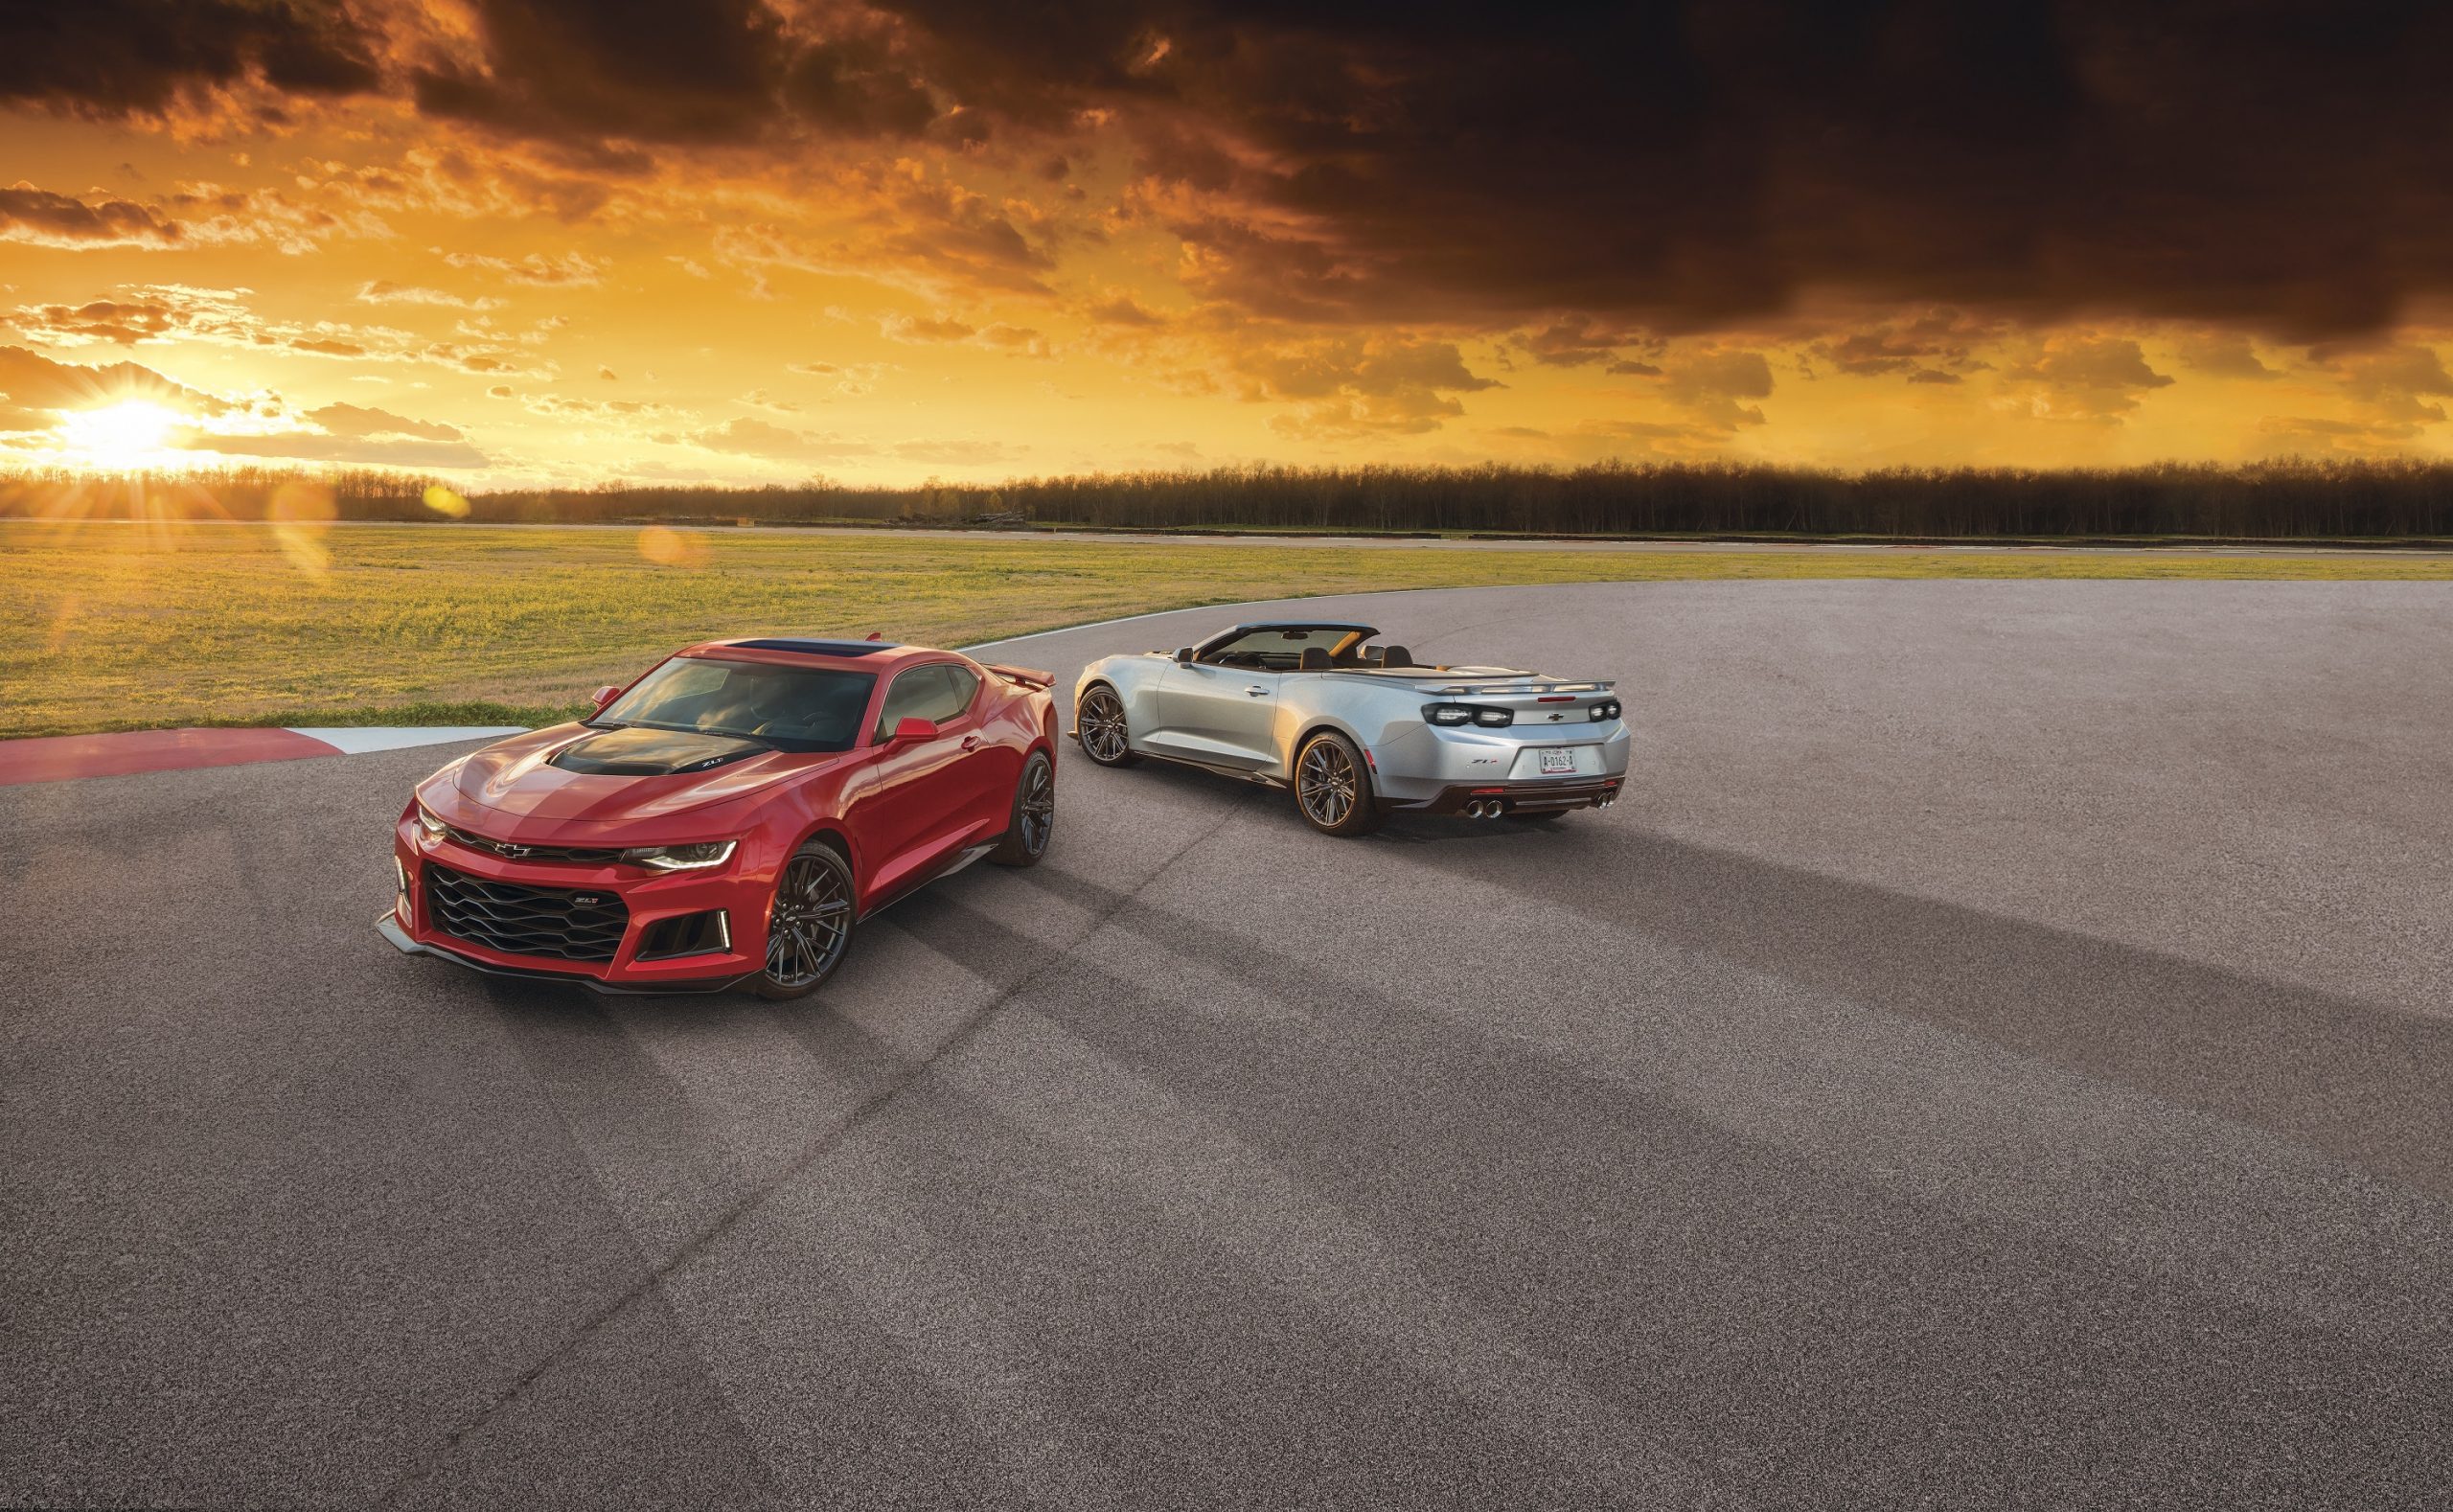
640 752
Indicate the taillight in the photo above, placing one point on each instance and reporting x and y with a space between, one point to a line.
1481 713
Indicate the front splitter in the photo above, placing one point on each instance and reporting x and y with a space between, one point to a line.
387 924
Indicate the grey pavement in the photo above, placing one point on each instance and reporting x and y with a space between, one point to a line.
1998 1055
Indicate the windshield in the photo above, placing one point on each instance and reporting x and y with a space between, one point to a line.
792 708
1280 649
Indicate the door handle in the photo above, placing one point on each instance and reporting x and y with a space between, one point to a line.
971 743
1256 690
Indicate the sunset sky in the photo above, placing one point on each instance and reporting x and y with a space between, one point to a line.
513 242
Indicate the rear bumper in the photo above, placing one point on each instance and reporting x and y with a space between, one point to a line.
1436 769
1518 797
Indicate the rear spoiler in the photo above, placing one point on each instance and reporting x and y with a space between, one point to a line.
1027 676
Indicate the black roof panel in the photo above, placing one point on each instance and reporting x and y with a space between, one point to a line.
819 647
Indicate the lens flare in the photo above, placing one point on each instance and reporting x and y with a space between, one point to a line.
446 503
673 548
301 514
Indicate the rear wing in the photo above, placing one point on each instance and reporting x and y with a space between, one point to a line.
1024 677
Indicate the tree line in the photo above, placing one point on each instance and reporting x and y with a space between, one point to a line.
2294 498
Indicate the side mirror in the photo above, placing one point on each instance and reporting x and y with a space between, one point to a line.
1184 655
605 695
907 731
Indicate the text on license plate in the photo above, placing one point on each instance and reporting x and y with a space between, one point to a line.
1555 760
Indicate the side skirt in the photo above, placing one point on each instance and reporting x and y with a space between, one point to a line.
961 859
1259 779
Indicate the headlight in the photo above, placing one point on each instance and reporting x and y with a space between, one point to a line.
680 858
433 827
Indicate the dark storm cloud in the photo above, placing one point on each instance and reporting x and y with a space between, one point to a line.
1664 167
124 56
648 70
1690 166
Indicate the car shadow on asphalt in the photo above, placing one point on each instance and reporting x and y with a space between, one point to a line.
2367 1083
1702 1280
1276 805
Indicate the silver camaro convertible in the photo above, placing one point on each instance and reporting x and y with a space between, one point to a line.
1357 729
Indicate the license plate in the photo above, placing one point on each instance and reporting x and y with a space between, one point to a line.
1557 761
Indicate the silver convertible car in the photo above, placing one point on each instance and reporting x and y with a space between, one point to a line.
1358 729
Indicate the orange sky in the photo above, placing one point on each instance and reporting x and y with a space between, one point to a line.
526 241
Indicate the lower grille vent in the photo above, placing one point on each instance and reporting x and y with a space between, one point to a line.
572 925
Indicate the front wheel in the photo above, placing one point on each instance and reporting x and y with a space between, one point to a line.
1033 821
810 926
1331 788
1100 723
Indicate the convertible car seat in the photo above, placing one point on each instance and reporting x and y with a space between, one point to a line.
1396 657
1316 658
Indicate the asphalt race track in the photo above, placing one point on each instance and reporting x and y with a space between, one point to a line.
1999 1055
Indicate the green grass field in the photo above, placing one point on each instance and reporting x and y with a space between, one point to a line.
124 627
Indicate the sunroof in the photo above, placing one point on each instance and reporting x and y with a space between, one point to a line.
820 648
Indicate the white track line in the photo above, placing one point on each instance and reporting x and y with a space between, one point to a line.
350 740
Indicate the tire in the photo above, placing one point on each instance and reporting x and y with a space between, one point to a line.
1333 789
814 907
1099 721
1032 823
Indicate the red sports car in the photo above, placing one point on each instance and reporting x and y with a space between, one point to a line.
727 819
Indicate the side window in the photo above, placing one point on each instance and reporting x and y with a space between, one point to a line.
913 693
961 686
936 694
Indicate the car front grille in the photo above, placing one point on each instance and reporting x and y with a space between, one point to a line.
510 850
573 925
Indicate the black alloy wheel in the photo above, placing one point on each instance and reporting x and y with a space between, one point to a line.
1331 788
1033 822
810 926
1100 723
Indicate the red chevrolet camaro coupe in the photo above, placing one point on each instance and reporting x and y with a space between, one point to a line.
728 819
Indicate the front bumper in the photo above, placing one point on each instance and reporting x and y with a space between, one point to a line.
387 924
418 922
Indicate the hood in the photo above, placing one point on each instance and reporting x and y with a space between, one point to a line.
571 774
637 752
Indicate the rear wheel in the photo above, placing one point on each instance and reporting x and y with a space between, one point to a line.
1331 788
1100 723
1033 821
810 926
